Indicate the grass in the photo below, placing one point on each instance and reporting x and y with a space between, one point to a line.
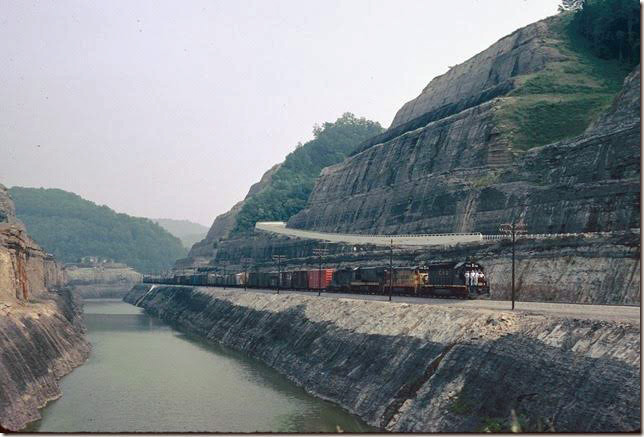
491 425
459 406
486 180
561 100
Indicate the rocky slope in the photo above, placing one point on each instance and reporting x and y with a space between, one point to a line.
463 169
424 368
203 251
102 282
41 332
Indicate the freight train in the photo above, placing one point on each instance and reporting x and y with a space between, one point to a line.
464 280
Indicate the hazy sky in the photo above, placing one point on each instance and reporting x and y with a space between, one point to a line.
174 108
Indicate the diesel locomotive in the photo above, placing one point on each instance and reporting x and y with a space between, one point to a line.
463 280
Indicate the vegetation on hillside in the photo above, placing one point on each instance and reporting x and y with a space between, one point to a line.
611 28
71 227
563 99
290 186
185 230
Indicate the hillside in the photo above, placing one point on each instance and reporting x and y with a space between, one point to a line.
284 189
71 227
544 126
512 132
185 230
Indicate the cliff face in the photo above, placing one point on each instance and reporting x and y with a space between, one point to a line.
449 176
512 132
522 52
41 332
102 282
422 368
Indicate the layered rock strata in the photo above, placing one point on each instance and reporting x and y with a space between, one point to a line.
439 179
102 282
424 368
41 330
586 268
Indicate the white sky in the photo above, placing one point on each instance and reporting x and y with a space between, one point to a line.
174 108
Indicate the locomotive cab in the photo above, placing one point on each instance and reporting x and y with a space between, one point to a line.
472 275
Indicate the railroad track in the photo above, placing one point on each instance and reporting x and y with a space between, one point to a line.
620 313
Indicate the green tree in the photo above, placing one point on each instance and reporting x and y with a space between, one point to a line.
612 28
290 186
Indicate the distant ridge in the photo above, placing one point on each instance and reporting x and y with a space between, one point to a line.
71 227
185 230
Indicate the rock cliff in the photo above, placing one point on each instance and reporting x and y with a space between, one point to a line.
495 138
523 52
421 368
41 331
101 281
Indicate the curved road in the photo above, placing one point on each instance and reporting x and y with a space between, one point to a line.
380 240
622 313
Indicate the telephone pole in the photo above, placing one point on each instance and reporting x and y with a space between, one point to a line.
224 264
391 268
513 229
279 259
245 263
320 253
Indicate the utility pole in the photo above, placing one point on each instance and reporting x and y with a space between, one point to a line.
245 263
319 253
513 229
224 264
391 268
279 259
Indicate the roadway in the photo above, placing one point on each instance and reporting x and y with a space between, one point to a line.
380 240
620 313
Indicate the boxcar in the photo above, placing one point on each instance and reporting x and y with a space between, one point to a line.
287 280
300 280
319 278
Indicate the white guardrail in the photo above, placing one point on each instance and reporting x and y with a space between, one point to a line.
380 240
404 239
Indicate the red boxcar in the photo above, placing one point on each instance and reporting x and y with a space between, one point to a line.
315 276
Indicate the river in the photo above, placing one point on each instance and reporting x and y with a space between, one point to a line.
145 376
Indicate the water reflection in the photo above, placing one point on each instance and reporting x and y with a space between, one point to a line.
144 376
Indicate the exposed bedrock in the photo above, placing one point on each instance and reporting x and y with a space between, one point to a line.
41 330
447 177
40 342
586 268
422 368
102 282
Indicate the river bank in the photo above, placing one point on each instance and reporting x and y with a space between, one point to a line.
424 368
40 342
145 376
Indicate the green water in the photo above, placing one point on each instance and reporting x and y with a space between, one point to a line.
145 376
